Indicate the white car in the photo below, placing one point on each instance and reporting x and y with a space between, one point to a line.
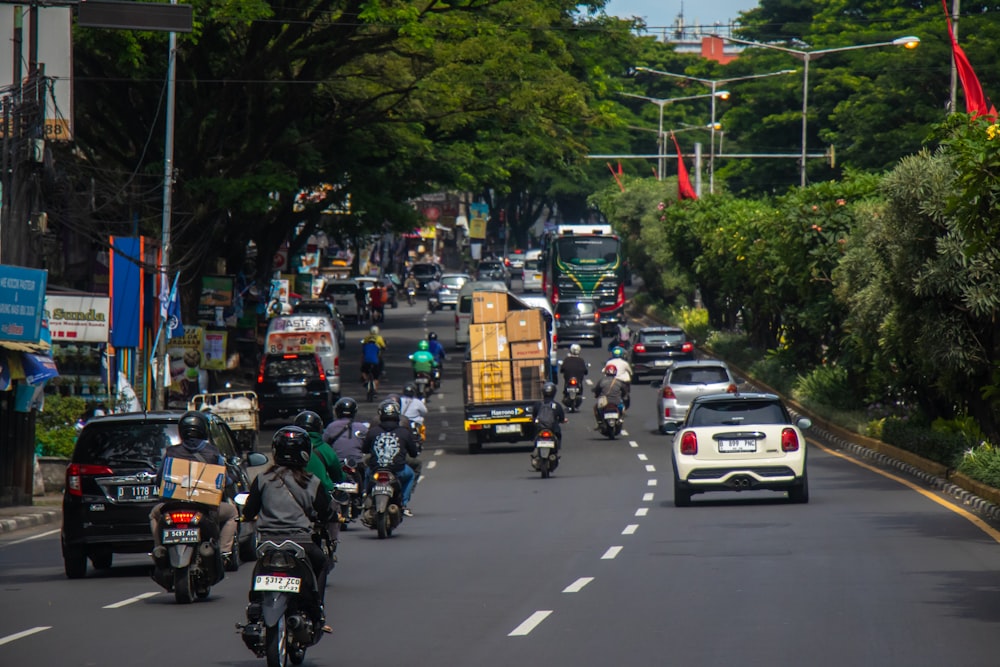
740 442
531 281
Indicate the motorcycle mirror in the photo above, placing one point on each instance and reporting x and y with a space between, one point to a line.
241 499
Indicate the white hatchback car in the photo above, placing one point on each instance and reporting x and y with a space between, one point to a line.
531 281
740 442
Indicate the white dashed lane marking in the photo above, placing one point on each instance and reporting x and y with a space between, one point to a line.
431 465
611 553
647 497
633 443
630 529
129 601
651 482
438 452
650 468
578 585
642 511
530 623
643 457
23 634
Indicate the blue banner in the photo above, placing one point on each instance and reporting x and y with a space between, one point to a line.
38 367
126 291
22 299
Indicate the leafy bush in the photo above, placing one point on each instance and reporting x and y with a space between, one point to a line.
775 370
732 347
943 447
829 385
55 428
694 321
982 464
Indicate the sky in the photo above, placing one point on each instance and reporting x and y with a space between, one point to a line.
662 13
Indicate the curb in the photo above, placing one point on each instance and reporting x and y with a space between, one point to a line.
33 518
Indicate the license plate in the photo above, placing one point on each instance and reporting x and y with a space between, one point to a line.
382 489
663 362
349 487
737 445
180 536
545 444
342 302
135 493
293 391
508 428
270 582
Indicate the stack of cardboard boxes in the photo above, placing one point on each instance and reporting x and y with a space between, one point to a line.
507 350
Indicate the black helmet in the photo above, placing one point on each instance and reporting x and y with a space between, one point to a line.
549 391
346 407
309 421
432 336
388 411
409 390
193 424
292 447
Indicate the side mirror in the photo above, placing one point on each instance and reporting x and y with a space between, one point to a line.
671 428
241 499
803 423
256 459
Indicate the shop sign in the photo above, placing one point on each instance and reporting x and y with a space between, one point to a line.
78 318
22 296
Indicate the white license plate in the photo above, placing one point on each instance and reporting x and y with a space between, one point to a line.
293 391
349 487
180 536
268 582
663 362
737 445
611 416
508 428
545 443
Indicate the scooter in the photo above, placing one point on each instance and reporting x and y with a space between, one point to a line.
411 295
424 385
348 493
573 394
436 376
383 507
544 457
188 561
282 615
611 421
433 303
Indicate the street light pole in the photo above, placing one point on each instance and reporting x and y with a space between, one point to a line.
713 83
908 42
661 141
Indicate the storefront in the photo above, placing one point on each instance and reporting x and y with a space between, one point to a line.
79 324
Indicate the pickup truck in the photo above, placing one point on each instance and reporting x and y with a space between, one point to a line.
499 403
240 411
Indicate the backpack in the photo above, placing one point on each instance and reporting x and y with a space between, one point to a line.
546 416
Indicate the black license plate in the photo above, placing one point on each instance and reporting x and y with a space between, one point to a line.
135 493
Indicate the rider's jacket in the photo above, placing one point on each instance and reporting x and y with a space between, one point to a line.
389 442
285 510
423 361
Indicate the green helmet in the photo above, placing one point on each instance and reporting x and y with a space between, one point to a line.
423 346
618 352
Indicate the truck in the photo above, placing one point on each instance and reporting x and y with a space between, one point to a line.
240 411
507 364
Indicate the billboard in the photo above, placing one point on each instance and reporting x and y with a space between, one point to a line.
22 297
83 318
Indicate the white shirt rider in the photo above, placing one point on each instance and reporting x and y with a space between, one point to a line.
624 369
412 408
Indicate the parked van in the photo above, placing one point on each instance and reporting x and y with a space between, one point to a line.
463 313
293 334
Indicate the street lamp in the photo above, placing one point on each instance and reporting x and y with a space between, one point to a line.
660 166
713 83
908 42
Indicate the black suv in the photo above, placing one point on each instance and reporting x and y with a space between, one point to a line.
290 383
111 486
494 269
655 349
578 320
425 272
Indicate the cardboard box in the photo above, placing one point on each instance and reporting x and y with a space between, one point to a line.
524 350
489 307
488 342
525 325
488 381
192 480
529 378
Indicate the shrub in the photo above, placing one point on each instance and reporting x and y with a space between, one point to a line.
982 464
694 321
55 428
775 370
732 347
829 385
943 447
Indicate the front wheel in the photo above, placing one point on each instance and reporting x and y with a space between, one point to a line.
183 588
276 641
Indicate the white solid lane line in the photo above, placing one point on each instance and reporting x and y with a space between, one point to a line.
530 623
129 601
647 497
642 511
651 482
611 553
431 464
21 635
630 529
650 468
33 537
578 585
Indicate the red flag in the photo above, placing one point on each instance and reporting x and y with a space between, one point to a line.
617 177
684 189
976 101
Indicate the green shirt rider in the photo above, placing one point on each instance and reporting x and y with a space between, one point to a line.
423 360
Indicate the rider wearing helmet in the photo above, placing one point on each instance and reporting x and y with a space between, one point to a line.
612 389
624 371
388 443
573 366
549 414
410 406
372 361
344 434
323 463
286 499
195 446
423 360
435 347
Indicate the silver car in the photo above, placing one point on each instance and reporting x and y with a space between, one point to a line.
687 380
451 284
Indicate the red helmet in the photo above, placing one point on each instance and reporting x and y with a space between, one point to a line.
610 370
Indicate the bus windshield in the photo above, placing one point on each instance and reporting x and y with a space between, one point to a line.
589 250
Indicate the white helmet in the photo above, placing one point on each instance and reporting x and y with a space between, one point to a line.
374 330
574 350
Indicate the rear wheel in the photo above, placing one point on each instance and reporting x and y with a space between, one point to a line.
232 564
598 342
276 644
682 497
248 549
799 494
75 562
382 523
101 559
183 590
544 465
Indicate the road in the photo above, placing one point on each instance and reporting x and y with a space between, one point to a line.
592 567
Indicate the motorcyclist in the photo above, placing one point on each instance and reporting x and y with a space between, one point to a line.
622 337
549 414
422 359
344 434
323 463
624 371
411 283
573 366
372 361
195 446
435 347
611 388
389 443
410 406
286 500
377 299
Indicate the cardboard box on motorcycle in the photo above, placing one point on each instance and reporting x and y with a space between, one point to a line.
193 481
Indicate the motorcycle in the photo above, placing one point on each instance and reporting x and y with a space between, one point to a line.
436 376
611 421
188 561
424 385
573 394
544 457
281 617
411 295
348 494
383 505
433 303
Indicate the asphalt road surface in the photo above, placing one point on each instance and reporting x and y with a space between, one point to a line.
592 567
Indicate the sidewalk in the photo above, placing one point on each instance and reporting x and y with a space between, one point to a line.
46 509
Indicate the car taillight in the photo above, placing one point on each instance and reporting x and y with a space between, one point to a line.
668 392
555 295
381 477
75 473
689 443
687 347
322 371
456 321
260 371
597 316
639 347
789 440
336 365
731 389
